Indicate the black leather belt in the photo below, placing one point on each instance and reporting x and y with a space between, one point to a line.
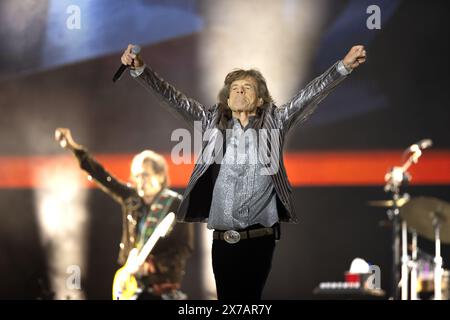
232 236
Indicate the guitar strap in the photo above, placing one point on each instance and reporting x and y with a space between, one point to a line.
156 213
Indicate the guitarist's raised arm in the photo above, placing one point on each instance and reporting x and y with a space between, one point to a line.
107 182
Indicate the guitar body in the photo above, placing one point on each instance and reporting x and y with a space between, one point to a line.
125 285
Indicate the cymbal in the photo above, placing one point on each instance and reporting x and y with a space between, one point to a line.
389 203
419 214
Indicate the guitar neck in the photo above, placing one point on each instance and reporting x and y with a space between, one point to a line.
160 231
146 249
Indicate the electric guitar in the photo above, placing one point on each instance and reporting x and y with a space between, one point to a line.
125 285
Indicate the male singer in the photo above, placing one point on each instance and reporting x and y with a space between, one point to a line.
243 201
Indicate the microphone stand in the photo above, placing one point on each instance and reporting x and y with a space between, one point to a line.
396 178
437 259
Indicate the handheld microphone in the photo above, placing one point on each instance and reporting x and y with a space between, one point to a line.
135 50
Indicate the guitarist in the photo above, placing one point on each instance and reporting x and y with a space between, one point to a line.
145 202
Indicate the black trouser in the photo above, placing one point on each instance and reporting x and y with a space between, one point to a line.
241 269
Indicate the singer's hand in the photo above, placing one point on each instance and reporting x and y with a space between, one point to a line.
355 57
130 59
64 137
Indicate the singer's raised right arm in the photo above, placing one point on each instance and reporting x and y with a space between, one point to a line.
189 109
108 183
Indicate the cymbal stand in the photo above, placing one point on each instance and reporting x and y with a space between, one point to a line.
413 264
405 260
437 260
396 178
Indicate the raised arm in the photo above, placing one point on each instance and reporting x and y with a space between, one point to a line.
305 102
108 183
189 109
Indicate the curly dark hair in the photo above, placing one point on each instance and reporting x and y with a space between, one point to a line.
238 74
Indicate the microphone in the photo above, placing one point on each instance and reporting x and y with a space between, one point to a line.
135 50
421 145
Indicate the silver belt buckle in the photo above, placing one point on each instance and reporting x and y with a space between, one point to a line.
231 236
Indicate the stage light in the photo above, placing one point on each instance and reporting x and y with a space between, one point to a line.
60 206
275 37
207 281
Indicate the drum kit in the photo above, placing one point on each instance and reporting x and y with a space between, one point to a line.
427 217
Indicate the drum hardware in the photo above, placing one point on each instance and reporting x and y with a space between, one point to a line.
430 218
413 266
400 202
396 178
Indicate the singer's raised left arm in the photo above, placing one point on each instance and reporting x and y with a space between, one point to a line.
305 102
